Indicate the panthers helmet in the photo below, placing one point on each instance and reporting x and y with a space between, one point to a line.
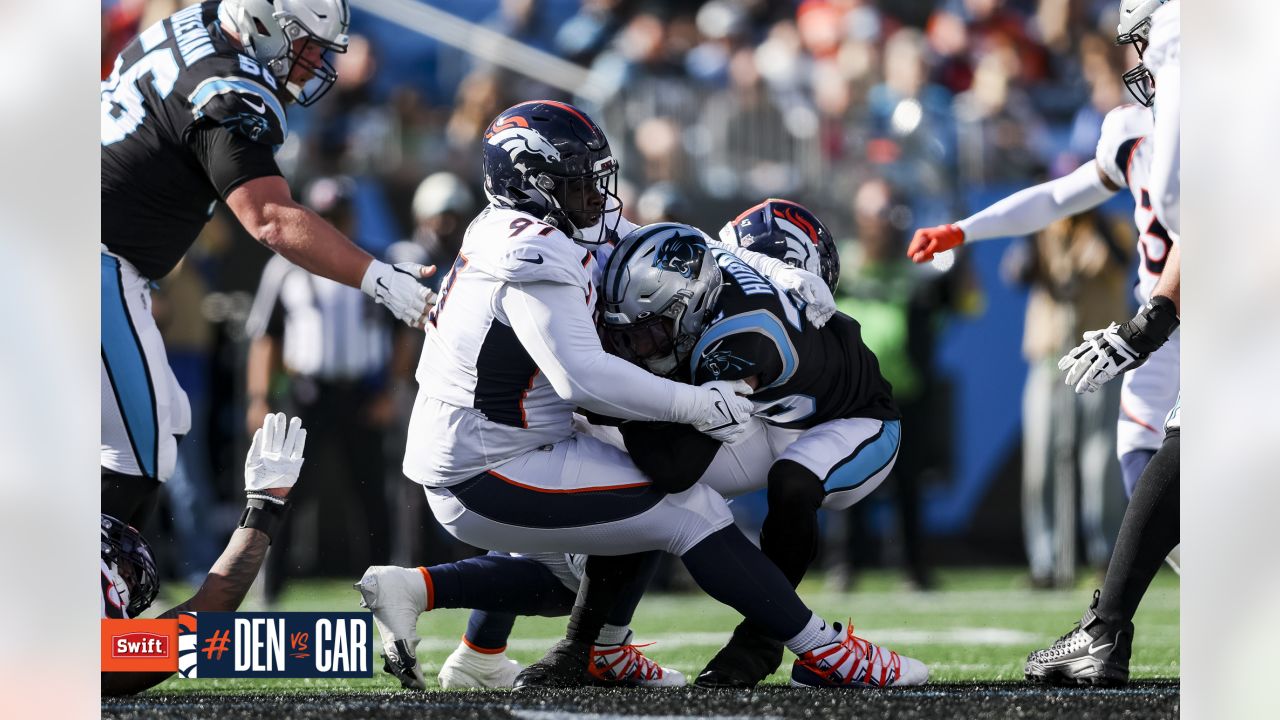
1135 29
269 29
550 160
133 568
789 232
659 287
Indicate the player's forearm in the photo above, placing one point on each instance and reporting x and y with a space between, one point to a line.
759 262
312 244
1170 283
1039 206
231 576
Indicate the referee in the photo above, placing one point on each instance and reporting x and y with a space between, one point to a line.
320 350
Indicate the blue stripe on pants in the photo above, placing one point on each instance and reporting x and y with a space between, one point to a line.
867 460
511 503
126 365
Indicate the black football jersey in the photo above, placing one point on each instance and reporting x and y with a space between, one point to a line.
807 375
186 118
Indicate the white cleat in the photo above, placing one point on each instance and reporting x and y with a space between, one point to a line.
852 662
397 596
466 669
624 664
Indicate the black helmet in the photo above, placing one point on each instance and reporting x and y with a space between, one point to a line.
789 232
550 160
133 568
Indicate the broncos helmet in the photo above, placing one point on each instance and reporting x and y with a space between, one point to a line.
659 286
269 29
133 568
549 159
789 232
1135 29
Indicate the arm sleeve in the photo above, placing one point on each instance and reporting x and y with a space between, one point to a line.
567 350
230 159
1037 207
759 262
672 456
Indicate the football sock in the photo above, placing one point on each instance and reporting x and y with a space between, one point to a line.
606 578
816 633
1149 531
489 630
499 583
612 634
790 535
629 597
733 571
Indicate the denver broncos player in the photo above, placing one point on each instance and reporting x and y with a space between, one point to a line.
129 580
830 430
789 232
512 351
191 114
1123 159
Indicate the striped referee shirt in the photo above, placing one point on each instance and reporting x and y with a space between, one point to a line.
329 331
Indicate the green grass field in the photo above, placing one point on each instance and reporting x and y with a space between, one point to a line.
978 626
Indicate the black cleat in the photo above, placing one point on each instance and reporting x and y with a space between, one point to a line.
564 666
745 662
1094 653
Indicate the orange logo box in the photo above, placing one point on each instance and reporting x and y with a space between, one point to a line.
139 645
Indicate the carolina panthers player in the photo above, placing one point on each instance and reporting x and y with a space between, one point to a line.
1123 158
1097 650
830 430
129 580
512 351
192 114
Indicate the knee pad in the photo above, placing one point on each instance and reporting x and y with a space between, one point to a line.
794 485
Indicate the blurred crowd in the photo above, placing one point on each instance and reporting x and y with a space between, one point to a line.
879 115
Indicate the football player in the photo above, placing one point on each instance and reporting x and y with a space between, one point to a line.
512 351
129 580
1097 650
192 114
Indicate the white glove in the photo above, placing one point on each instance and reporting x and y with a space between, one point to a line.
397 287
820 304
726 413
275 455
1102 356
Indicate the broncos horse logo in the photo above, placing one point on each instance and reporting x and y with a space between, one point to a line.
682 255
516 137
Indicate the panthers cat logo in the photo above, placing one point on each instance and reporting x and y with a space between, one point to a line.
681 255
518 139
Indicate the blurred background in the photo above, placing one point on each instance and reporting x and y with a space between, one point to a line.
881 116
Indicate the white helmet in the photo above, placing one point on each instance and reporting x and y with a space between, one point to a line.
659 287
1134 29
269 29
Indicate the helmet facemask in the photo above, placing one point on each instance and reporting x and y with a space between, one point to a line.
585 207
307 53
1138 79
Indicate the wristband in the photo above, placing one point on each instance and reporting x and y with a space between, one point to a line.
263 513
1152 326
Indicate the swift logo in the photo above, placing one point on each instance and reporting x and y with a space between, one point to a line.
140 645
1095 648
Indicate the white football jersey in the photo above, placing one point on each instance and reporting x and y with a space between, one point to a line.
481 398
1165 46
1124 154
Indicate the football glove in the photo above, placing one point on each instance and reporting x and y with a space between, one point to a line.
820 305
727 412
1105 354
929 241
397 287
275 455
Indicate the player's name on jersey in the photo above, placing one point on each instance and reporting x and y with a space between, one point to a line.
243 644
193 39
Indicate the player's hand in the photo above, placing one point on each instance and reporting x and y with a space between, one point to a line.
275 455
1104 354
820 305
727 412
930 241
398 287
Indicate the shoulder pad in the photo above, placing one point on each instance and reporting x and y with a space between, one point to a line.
1122 129
242 103
513 246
